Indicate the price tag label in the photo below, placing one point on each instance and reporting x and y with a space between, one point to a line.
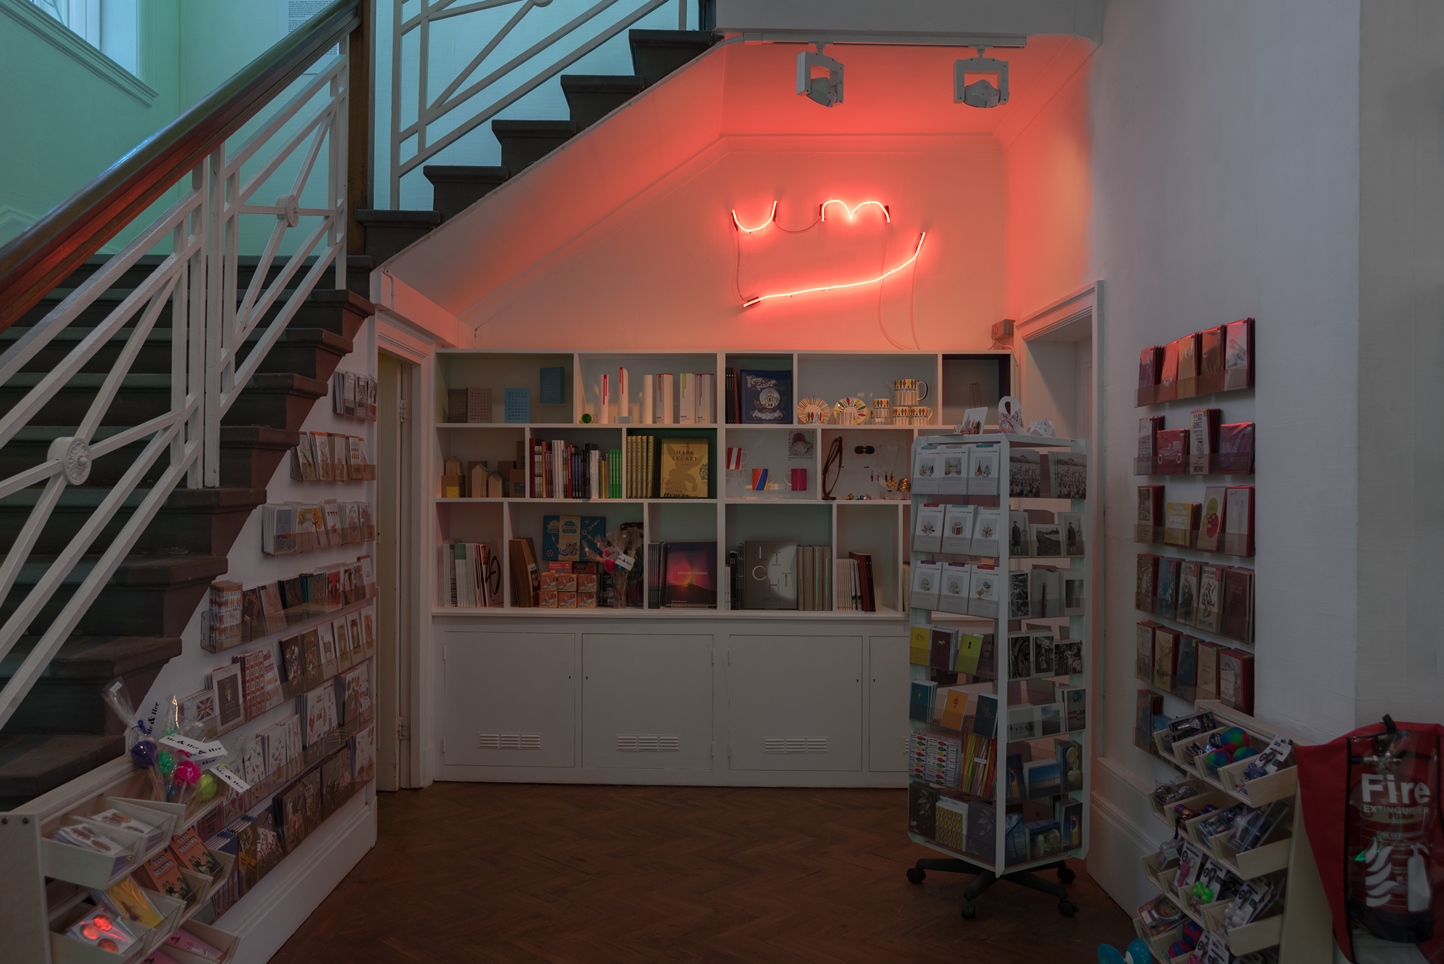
229 778
625 561
194 747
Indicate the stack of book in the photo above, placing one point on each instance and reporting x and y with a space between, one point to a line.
641 457
814 578
468 575
855 587
222 628
560 470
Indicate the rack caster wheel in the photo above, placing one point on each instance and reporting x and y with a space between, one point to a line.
916 875
1066 875
969 911
1067 908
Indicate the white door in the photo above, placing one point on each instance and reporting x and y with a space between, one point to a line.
647 701
795 702
509 699
887 703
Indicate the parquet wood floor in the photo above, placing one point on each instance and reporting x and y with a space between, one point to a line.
496 872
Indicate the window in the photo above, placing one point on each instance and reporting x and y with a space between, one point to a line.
110 26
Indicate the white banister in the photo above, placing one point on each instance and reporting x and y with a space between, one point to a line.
210 321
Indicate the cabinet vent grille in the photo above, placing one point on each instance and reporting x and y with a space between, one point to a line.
794 744
649 743
508 741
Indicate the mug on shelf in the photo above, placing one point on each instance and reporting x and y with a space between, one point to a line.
880 411
759 480
909 391
902 414
736 458
799 480
922 414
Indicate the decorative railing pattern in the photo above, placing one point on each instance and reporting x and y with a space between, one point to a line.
299 143
425 120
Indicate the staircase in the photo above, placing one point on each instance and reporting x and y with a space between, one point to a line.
62 728
590 97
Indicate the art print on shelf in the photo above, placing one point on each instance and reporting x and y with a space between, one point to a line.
802 445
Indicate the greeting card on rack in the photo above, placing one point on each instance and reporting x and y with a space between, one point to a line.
1018 542
1238 355
928 527
985 531
954 587
1149 522
983 469
1211 519
958 523
926 577
985 588
1188 366
1238 520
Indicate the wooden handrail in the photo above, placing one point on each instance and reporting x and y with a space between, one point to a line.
35 263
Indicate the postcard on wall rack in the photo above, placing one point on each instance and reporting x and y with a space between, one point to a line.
958 529
983 469
1235 449
1068 657
1238 355
1045 591
1148 526
1024 473
1172 457
1150 367
1165 657
1238 520
1018 595
1188 366
955 587
1070 524
1235 679
986 523
1050 720
1211 519
230 704
927 470
1148 428
926 577
1210 360
985 589
1073 594
1187 667
1187 591
953 479
1047 540
928 527
1180 524
1143 658
1065 474
1020 656
1165 598
1075 707
1203 440
1237 619
1019 544
1043 657
1210 598
1168 376
1206 669
1145 582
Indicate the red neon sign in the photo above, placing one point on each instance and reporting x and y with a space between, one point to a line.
852 211
770 218
836 287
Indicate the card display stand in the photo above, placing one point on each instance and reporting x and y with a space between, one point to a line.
1298 927
1011 826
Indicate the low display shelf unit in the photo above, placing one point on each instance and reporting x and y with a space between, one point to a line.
1000 646
852 502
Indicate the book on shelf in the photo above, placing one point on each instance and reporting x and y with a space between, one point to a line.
765 397
523 570
684 469
690 575
1172 452
1165 599
866 587
769 574
1188 365
1236 620
815 578
468 575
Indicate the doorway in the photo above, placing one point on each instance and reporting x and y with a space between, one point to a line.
397 573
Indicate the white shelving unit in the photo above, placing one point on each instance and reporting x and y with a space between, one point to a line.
997 803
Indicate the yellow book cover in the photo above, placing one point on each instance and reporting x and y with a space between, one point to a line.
970 648
684 468
955 709
131 901
919 645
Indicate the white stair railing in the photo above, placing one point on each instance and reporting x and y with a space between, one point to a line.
429 114
299 144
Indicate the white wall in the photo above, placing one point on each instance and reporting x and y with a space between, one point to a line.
1081 17
1401 359
1225 183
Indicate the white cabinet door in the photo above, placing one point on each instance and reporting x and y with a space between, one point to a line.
795 702
887 703
647 701
510 699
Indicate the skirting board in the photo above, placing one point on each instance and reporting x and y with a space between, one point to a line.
267 916
660 777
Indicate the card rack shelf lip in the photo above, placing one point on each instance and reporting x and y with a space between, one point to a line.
733 500
525 500
1212 552
1194 631
1194 398
608 612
